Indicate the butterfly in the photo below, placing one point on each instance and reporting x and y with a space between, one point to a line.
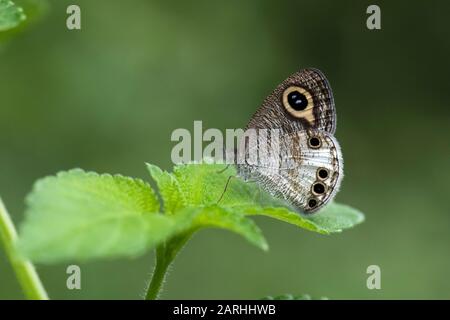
295 156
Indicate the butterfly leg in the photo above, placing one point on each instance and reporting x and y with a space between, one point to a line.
225 189
224 169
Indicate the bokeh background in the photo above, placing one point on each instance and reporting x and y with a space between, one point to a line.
108 97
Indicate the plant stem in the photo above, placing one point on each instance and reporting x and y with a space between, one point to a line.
165 254
159 274
25 271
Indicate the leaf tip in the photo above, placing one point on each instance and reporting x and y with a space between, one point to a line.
265 246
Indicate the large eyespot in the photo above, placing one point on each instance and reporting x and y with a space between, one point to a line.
322 173
298 102
314 142
318 188
312 203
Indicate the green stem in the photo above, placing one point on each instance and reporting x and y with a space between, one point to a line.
165 254
25 271
159 274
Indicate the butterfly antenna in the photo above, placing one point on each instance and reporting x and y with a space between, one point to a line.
224 169
225 189
226 156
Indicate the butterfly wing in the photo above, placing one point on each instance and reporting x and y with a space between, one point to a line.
304 168
302 101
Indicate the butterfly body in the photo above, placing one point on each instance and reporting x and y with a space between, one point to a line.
289 148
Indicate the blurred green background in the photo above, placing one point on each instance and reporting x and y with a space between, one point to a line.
107 98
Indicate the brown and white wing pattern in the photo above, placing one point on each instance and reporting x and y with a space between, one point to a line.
302 101
306 170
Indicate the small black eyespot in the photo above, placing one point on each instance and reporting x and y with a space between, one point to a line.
312 203
314 142
323 173
319 188
297 101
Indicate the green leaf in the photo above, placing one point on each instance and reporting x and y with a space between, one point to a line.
169 189
203 185
80 215
337 217
285 215
220 217
11 15
200 186
333 218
